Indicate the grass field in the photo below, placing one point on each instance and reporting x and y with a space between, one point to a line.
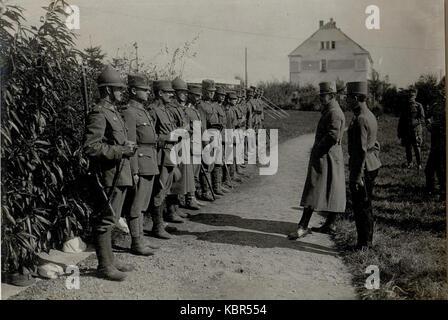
410 228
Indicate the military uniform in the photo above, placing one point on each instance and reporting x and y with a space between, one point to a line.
218 169
141 129
364 163
164 124
410 130
105 144
209 114
436 164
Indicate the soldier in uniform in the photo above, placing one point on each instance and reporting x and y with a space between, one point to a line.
364 162
186 184
436 164
233 122
109 150
217 173
209 114
410 128
164 125
144 168
194 99
324 188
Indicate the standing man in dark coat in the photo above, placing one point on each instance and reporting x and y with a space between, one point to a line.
144 168
364 162
109 150
436 164
410 128
324 188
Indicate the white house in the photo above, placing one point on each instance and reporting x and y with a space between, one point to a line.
327 55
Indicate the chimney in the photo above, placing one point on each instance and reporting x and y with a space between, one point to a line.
321 23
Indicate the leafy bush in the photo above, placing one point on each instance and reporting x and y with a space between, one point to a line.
42 133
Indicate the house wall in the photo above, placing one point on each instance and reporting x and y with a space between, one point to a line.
346 62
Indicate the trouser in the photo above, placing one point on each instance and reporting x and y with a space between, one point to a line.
417 152
436 166
109 215
362 208
137 202
162 185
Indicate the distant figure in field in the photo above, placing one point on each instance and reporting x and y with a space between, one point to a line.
324 189
410 128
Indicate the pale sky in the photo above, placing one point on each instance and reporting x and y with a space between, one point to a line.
409 43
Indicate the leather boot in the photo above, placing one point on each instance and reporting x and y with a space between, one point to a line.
158 229
145 243
171 215
121 266
181 213
103 248
190 202
216 181
138 247
327 227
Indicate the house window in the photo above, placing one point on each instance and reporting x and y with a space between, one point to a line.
323 65
327 45
322 46
294 66
333 44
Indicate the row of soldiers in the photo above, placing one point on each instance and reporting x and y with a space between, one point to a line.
129 150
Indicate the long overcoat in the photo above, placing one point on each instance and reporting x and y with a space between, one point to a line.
324 188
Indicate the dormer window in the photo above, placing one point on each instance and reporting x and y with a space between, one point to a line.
322 45
333 44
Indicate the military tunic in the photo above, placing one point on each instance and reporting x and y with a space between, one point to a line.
164 125
324 188
144 163
104 140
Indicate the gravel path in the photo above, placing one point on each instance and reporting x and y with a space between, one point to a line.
234 248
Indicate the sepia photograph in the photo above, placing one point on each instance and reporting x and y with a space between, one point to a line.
203 151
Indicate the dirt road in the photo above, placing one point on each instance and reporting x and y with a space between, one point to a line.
234 248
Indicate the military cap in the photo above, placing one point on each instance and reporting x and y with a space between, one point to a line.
231 95
220 90
137 81
251 89
208 84
340 87
110 77
357 87
164 85
327 87
179 84
195 89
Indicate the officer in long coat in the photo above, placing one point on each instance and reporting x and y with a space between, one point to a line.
364 162
324 188
186 183
144 167
410 128
109 149
165 126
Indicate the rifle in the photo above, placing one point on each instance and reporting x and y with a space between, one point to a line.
208 181
274 106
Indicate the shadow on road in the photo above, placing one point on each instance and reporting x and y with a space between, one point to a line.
258 240
220 220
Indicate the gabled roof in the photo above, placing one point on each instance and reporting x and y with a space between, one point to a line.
329 25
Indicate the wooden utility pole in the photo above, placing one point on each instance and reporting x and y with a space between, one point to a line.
136 55
245 68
